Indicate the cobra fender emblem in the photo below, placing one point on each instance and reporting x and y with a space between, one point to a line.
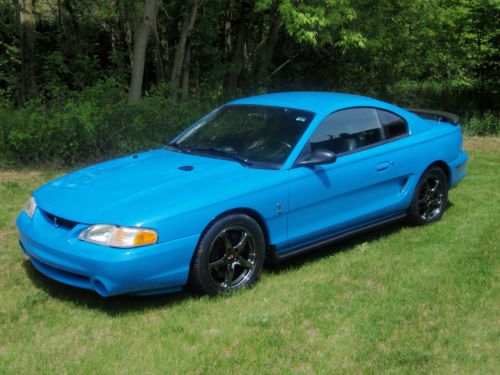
279 208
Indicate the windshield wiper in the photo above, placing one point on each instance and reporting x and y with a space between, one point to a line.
223 153
180 147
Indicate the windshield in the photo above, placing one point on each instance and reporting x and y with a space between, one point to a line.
247 133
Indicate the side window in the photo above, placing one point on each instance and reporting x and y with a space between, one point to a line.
394 126
347 130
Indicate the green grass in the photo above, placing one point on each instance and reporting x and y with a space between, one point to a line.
397 300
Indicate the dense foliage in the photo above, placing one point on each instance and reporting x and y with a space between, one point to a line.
66 65
94 124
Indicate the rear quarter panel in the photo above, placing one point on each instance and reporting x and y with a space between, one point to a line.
430 142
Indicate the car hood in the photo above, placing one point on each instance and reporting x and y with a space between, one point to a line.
135 189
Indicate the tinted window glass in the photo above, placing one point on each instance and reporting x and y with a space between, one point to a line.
257 133
394 126
347 130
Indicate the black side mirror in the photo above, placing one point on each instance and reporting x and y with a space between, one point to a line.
318 157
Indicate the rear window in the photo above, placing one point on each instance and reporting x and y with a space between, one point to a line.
394 126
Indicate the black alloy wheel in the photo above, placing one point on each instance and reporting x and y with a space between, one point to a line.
430 198
230 256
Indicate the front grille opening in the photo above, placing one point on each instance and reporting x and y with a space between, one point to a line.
59 221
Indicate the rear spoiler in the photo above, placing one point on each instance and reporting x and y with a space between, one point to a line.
440 116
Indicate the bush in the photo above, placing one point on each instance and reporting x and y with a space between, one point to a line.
486 124
94 124
462 100
478 109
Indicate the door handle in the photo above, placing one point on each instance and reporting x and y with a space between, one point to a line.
385 165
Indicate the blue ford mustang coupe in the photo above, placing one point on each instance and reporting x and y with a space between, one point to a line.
259 178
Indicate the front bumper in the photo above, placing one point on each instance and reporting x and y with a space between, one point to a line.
59 254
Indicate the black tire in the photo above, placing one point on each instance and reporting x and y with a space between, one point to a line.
430 197
229 256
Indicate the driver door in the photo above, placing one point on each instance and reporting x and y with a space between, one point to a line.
353 191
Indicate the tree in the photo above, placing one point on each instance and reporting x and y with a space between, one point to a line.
141 35
269 44
50 49
27 38
236 63
182 49
323 23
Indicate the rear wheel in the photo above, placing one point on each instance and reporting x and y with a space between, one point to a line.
230 256
430 198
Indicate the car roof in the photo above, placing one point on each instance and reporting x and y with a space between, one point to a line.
317 102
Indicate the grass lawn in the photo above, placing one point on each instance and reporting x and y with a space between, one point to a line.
397 300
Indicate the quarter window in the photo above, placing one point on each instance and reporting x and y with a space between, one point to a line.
394 126
347 130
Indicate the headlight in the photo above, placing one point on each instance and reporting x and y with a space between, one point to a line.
30 207
115 236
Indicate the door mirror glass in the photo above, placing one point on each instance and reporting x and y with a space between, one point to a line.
317 157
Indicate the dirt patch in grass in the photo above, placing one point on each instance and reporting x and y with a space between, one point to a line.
490 144
18 175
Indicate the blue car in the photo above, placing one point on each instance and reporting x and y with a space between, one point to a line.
259 178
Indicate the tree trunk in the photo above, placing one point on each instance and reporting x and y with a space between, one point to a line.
128 20
196 78
236 64
266 56
160 67
140 44
185 71
228 45
73 17
27 39
180 49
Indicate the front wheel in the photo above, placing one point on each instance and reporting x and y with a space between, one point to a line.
230 255
430 198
